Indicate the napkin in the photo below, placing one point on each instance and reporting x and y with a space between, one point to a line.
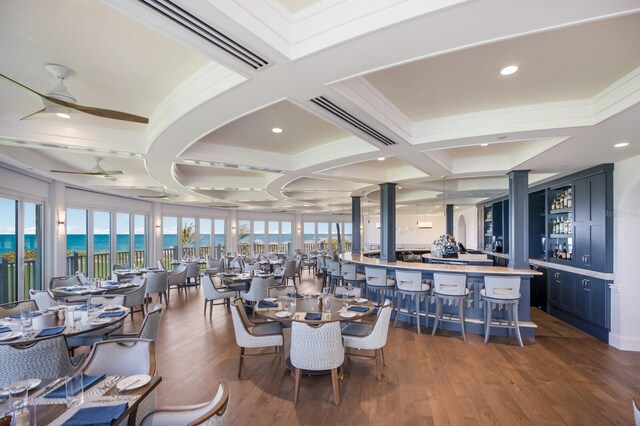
358 308
32 314
267 304
84 307
313 316
87 381
111 314
4 329
98 416
107 286
51 331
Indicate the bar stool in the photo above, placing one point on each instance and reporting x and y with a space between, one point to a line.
378 283
451 288
351 277
499 292
335 276
409 285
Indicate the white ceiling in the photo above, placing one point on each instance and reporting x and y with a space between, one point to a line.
425 75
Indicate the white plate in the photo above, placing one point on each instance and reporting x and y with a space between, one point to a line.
99 321
30 383
4 392
271 299
348 314
10 335
283 314
362 300
313 294
133 382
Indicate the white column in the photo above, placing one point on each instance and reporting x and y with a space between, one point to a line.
232 235
155 244
298 239
56 253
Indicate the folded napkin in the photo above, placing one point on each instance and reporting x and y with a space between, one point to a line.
87 382
31 314
358 308
4 329
51 331
109 286
97 416
313 316
297 295
111 314
267 304
84 307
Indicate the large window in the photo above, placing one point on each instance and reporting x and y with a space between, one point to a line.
309 236
169 240
274 231
8 250
347 236
32 259
244 237
77 246
285 245
322 237
139 240
101 245
218 239
123 239
204 237
188 238
259 237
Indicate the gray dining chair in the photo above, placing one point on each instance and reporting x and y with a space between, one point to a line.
158 283
14 308
137 296
149 329
43 299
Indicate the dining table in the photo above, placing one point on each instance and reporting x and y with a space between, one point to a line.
311 308
55 321
104 287
105 394
242 281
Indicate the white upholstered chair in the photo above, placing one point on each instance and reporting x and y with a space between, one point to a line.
136 297
14 308
157 282
501 292
409 286
378 283
315 348
43 299
150 327
350 276
193 271
121 357
178 277
349 291
450 288
213 293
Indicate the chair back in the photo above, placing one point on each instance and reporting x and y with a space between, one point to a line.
211 292
193 271
333 268
157 281
151 324
502 287
380 330
289 269
409 281
117 266
321 262
58 282
259 289
136 296
316 347
349 291
179 275
212 263
82 278
237 264
121 357
376 276
283 290
44 359
160 265
252 267
14 308
42 298
349 271
449 284
109 299
241 325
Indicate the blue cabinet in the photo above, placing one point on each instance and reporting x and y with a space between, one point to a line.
590 215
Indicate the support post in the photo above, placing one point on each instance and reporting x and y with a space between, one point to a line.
355 225
449 219
519 219
388 222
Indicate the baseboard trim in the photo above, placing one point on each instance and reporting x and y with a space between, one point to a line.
624 343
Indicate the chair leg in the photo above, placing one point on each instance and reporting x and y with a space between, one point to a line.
296 389
205 306
517 325
210 308
461 316
437 316
384 362
487 324
241 360
418 312
378 360
509 320
395 321
336 387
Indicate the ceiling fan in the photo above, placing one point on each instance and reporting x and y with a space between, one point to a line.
97 171
61 103
163 196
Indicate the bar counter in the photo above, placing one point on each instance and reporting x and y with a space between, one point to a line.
475 281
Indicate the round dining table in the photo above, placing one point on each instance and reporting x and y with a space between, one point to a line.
345 310
50 319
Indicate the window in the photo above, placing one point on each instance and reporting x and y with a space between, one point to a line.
274 231
169 240
259 237
204 237
139 240
123 239
101 245
32 260
218 239
322 238
244 236
286 237
309 237
77 241
8 250
188 238
347 237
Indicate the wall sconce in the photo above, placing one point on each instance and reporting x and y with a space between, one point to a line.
378 225
425 225
62 218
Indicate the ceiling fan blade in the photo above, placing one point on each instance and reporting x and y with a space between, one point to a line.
99 112
23 87
96 174
38 114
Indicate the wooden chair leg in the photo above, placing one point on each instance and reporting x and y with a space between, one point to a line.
461 316
384 362
437 315
205 306
517 325
296 389
488 316
336 387
241 360
378 360
210 308
397 309
418 312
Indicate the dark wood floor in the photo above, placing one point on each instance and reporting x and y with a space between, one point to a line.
562 376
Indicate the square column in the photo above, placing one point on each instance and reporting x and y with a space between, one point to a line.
519 219
356 213
449 219
388 222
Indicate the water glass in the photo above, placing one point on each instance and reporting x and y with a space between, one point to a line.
326 304
26 321
74 390
70 316
286 303
292 306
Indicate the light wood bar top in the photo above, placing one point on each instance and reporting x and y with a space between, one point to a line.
360 259
464 257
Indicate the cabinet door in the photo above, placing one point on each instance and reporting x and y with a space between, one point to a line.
598 301
597 197
597 248
582 200
567 291
554 287
581 244
581 297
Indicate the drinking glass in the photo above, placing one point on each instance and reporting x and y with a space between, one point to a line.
292 305
345 298
19 393
74 390
26 320
286 303
326 304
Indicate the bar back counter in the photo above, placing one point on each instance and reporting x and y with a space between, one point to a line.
474 309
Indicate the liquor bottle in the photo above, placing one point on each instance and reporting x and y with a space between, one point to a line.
564 251
561 226
555 251
570 196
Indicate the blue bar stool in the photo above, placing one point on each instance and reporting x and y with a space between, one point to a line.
450 288
499 292
409 285
379 284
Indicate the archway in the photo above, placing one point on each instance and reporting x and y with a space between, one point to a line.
461 231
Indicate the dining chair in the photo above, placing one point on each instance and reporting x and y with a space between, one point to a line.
193 271
251 267
177 277
289 272
258 290
43 299
316 348
211 412
283 290
360 336
499 292
214 293
157 282
450 288
409 286
298 268
121 357
45 359
250 335
14 308
378 283
334 272
350 276
212 263
349 291
309 263
150 327
160 265
57 282
109 299
137 296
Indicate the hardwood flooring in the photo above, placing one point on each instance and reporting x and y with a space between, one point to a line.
563 376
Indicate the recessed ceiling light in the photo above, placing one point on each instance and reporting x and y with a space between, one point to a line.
621 144
484 144
509 70
380 158
276 130
62 115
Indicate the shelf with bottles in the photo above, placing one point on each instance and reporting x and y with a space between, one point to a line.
561 251
561 200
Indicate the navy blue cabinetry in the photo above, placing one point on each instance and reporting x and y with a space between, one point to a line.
590 216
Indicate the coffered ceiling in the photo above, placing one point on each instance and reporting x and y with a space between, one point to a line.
407 92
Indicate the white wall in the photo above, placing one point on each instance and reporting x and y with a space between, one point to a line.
407 231
471 219
625 292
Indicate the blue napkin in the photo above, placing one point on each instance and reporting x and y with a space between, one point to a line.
96 416
358 308
313 316
4 329
267 304
84 307
108 286
51 331
88 381
32 314
111 314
